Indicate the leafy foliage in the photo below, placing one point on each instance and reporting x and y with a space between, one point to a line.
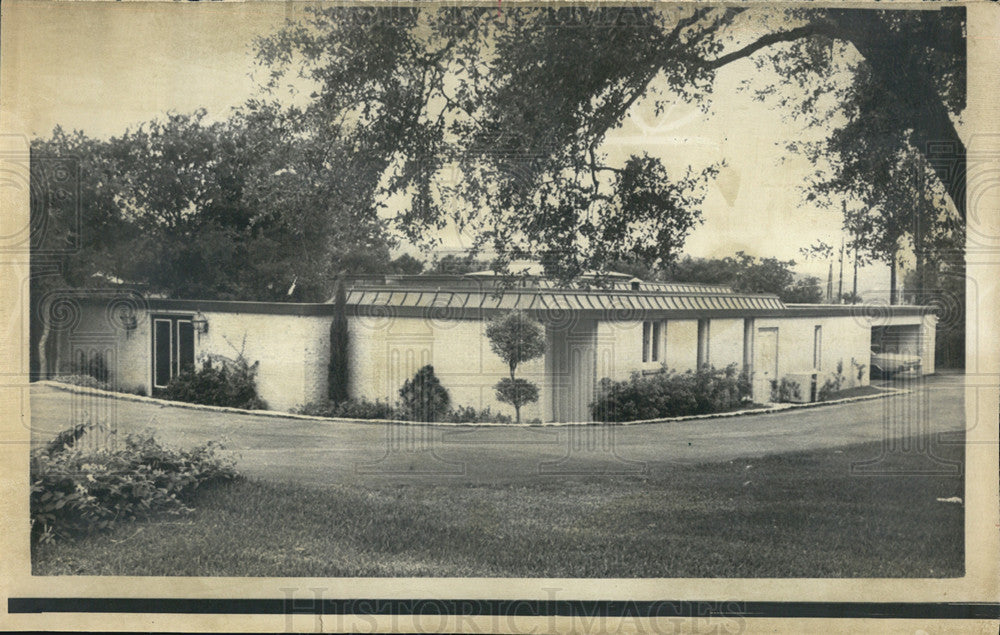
516 392
222 382
833 383
516 338
423 398
350 409
468 414
785 390
88 381
671 394
74 492
422 97
93 365
521 104
459 264
366 409
746 273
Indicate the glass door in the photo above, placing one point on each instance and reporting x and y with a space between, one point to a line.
173 348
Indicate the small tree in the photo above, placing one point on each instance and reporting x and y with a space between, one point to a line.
337 374
516 338
423 398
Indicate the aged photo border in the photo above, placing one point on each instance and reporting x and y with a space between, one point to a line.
545 605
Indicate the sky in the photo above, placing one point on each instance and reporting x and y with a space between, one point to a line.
103 67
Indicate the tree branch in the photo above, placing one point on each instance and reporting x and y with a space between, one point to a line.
770 39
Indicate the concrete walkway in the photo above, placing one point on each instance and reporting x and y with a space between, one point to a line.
326 453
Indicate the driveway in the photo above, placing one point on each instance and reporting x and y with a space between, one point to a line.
325 453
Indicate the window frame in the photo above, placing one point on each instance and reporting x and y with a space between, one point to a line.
653 339
173 348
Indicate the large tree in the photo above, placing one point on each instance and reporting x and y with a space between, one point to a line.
517 105
242 209
78 237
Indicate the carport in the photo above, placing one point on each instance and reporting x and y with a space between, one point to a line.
905 334
901 338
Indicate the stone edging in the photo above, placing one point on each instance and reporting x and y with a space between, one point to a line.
163 403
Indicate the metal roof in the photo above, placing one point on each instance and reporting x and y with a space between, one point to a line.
668 299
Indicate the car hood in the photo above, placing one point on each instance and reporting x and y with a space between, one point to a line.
895 357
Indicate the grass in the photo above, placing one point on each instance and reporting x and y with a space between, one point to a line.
788 515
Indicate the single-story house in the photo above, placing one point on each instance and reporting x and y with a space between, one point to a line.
399 323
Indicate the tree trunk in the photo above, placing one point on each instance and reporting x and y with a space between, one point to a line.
43 360
933 133
893 297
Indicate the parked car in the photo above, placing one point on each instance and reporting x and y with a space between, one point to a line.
886 364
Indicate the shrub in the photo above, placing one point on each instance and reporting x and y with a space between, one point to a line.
833 384
74 491
350 409
90 382
785 390
94 366
423 398
516 392
86 381
133 390
671 394
468 414
860 369
365 409
222 383
516 338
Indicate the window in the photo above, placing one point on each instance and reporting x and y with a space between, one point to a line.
651 341
173 348
646 336
655 352
818 347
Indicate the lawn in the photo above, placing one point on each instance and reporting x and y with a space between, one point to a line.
785 515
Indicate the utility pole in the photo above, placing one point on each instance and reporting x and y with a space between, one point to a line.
855 275
840 282
829 283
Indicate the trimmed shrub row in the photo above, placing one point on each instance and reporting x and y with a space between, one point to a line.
365 409
671 394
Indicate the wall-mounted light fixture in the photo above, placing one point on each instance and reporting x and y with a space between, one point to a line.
200 323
